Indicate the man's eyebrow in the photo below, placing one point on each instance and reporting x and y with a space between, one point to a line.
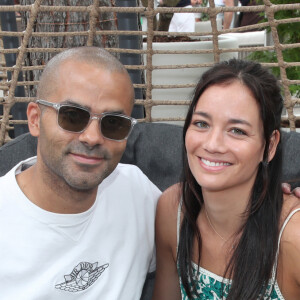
115 112
76 104
231 121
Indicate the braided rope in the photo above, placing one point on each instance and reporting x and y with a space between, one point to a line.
148 52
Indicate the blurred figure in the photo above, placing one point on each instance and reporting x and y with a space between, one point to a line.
165 19
248 18
184 22
227 16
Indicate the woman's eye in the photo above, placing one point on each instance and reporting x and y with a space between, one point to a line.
238 131
201 124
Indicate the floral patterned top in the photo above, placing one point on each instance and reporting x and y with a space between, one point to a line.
214 287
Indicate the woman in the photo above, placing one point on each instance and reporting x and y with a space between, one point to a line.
220 227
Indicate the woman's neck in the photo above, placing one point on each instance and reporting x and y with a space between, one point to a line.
226 211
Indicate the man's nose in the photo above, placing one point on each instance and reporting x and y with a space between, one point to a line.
92 134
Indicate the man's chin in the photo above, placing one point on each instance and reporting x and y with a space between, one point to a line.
86 187
84 182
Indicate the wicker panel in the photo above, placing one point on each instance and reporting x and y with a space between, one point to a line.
44 30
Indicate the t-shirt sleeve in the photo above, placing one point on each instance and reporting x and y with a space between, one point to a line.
152 266
156 193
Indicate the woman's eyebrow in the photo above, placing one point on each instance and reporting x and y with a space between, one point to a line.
203 114
240 121
231 121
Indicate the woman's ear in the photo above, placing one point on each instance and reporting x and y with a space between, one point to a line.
274 140
33 116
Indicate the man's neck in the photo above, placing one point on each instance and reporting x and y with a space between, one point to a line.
53 194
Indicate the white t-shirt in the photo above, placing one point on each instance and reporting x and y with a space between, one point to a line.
219 3
182 22
103 253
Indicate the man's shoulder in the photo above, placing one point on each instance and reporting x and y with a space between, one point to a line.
136 176
8 176
8 187
127 176
129 167
133 172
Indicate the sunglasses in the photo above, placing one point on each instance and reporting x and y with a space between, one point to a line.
72 118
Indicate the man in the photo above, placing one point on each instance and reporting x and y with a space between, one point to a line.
76 224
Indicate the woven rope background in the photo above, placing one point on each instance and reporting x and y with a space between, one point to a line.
93 11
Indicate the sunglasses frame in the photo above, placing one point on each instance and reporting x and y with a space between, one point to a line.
93 116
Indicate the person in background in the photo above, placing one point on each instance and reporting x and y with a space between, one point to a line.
184 22
165 18
248 18
76 224
226 16
227 231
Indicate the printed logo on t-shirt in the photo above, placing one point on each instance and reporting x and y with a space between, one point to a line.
82 277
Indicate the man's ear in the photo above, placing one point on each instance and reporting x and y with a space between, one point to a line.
274 140
33 116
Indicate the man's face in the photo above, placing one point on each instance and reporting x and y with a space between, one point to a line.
84 159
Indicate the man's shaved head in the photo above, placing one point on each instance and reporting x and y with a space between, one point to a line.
95 56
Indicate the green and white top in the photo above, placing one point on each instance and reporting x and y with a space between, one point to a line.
212 286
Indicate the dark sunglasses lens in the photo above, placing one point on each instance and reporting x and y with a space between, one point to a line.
115 127
73 118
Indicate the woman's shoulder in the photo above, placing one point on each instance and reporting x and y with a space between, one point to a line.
290 223
290 205
290 241
290 215
169 200
167 218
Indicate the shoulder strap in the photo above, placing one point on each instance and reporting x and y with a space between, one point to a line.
279 238
178 220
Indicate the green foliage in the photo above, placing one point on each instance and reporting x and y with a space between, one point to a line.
204 16
288 34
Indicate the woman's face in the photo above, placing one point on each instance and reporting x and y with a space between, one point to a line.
224 141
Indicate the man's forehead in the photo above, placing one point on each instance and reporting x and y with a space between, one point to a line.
76 64
76 67
74 78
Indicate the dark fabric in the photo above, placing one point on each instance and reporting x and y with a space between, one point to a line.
148 287
20 148
156 149
248 18
169 3
183 3
291 158
244 2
